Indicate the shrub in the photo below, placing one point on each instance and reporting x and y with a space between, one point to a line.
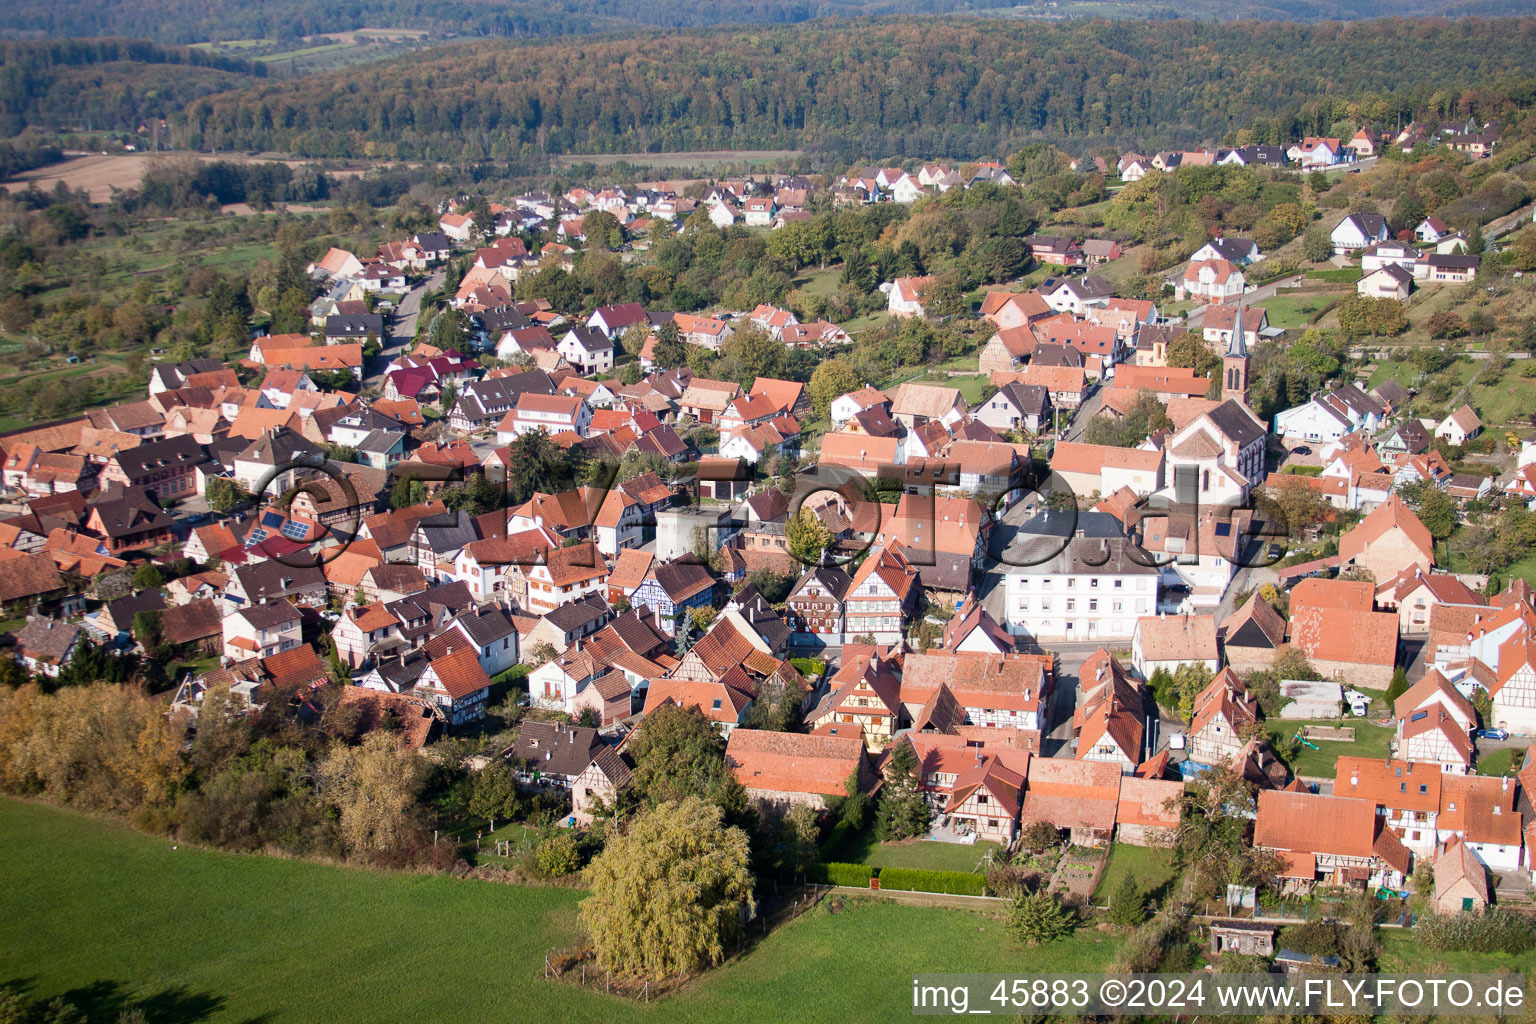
1154 944
955 883
834 873
1493 931
1041 917
1127 904
558 856
1039 836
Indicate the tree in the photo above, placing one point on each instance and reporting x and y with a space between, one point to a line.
833 378
148 632
672 894
669 350
807 536
1434 508
1040 918
677 753
1315 245
407 491
1399 685
903 811
225 494
1127 904
374 788
494 793
702 618
148 577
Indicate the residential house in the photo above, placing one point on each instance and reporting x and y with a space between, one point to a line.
1358 231
783 769
1389 541
1460 426
907 294
881 595
1224 715
1336 839
1077 577
1172 641
260 630
1109 718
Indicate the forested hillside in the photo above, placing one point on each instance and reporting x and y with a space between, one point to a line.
920 87
193 21
107 83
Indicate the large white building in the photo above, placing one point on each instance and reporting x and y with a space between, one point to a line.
1075 576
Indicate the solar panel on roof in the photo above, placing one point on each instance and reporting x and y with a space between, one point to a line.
271 520
296 531
256 536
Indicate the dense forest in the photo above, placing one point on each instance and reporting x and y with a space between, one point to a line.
102 84
193 21
959 88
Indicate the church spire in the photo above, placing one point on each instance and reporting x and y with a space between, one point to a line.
1234 363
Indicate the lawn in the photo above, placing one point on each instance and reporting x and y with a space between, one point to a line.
863 848
1498 762
1296 310
113 918
930 856
1151 866
970 386
1370 741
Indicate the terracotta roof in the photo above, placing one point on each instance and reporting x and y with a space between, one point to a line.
459 671
1068 794
1177 638
1481 807
1399 785
413 716
1076 457
1004 682
1350 595
630 569
1145 802
925 400
1345 635
1390 515
1314 824
28 575
787 762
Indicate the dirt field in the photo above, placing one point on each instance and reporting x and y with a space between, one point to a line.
100 173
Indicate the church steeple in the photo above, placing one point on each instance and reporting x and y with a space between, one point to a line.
1234 363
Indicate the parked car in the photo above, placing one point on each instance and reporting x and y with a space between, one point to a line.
1492 734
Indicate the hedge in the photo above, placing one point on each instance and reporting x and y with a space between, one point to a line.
833 873
957 883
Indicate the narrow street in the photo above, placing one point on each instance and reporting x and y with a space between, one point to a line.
400 330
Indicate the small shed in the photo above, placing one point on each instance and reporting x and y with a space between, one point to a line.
1292 962
1311 698
1250 938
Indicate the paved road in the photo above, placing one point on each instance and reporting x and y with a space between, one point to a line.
401 329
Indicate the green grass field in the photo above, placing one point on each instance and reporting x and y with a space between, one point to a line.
1295 310
112 918
1370 741
1151 866
930 856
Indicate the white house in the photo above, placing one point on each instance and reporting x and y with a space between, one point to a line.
553 414
1460 426
1080 578
1358 231
906 297
1214 280
1388 282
